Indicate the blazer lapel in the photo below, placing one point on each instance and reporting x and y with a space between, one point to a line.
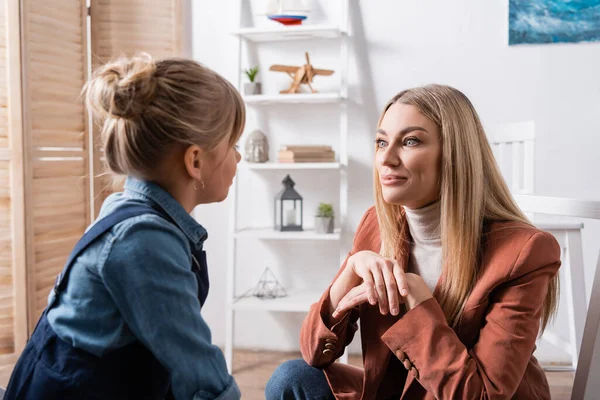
407 240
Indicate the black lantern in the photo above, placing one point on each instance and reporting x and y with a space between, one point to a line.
288 208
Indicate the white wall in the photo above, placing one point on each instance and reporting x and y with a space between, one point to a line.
396 45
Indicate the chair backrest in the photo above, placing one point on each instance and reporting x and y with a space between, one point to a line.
589 356
513 147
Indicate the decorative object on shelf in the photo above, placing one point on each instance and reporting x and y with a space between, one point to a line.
324 218
252 87
288 208
287 12
306 154
267 287
256 149
301 75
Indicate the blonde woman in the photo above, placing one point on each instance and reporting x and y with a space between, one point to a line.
123 320
450 281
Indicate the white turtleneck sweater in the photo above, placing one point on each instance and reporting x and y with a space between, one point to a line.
426 248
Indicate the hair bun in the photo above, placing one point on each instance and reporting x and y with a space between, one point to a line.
123 88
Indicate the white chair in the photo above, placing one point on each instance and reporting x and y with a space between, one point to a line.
589 356
590 344
514 149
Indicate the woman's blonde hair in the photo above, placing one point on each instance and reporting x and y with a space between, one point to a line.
148 107
472 191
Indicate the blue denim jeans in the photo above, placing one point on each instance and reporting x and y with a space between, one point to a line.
296 380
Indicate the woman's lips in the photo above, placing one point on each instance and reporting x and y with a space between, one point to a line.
392 180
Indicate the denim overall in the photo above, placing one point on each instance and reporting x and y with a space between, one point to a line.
50 368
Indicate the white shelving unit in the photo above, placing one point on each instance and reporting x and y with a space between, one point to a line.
299 98
301 32
297 300
271 234
290 166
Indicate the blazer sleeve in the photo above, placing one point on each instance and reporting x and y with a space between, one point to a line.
495 366
320 343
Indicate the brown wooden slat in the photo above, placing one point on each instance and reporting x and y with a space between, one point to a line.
54 71
55 249
41 213
49 58
53 107
49 25
46 169
55 9
69 226
57 138
58 122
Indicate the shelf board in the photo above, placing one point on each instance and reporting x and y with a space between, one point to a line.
271 234
278 33
296 301
288 166
296 98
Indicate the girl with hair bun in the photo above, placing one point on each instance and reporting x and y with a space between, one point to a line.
123 320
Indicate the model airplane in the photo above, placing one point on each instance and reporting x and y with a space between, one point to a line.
301 75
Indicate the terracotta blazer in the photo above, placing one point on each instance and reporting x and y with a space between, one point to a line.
489 355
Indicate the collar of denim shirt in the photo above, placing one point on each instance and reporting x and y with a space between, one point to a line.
190 227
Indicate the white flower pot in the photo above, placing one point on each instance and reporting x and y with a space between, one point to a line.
252 88
323 225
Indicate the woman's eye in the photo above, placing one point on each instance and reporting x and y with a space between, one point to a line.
380 143
411 142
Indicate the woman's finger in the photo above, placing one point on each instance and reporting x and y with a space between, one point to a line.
391 288
380 288
370 287
355 297
352 298
400 279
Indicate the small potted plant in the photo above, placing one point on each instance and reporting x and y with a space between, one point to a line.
252 87
324 218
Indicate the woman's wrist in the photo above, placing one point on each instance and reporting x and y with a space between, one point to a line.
346 281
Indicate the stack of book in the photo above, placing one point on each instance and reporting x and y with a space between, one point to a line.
300 154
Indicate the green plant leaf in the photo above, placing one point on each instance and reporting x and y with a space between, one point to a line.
251 73
325 210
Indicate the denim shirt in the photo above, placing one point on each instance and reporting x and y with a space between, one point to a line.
135 283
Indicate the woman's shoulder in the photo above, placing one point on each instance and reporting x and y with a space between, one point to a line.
524 245
515 231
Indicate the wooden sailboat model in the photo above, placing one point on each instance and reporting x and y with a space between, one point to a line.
287 12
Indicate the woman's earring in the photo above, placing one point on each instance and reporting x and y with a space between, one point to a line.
195 186
201 181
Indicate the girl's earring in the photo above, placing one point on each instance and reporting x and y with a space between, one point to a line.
195 186
202 182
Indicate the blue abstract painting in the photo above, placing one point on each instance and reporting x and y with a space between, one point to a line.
553 21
